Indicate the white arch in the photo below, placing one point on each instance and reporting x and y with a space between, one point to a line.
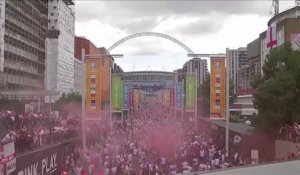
150 34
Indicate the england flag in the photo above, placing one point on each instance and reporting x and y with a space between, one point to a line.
271 37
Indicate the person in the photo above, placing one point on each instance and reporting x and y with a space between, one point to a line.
9 137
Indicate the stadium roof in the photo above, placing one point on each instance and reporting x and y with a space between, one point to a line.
280 168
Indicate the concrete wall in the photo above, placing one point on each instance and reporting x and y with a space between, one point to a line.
282 148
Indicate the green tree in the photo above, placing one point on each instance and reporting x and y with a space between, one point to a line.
277 92
69 103
205 95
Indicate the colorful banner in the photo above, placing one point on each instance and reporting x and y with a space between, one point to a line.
172 97
136 94
2 31
217 88
116 95
190 91
126 100
163 97
131 98
179 96
93 89
167 96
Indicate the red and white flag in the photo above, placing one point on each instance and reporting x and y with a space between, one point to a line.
271 36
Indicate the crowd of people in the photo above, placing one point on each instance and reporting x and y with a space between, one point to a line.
31 130
150 142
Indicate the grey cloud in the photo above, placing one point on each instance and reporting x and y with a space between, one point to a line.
200 27
138 16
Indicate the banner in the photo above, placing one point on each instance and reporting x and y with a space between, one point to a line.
163 97
8 158
190 87
93 89
179 95
116 89
131 98
217 88
136 94
41 162
126 100
172 97
167 97
2 30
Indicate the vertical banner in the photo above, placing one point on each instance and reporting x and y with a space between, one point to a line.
179 95
163 97
190 87
116 92
167 97
2 29
126 99
136 97
172 97
93 89
217 88
131 98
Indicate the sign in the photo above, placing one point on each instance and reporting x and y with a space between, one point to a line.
126 99
2 30
116 92
179 95
172 97
8 158
42 162
217 88
163 97
93 88
131 98
167 97
190 91
136 94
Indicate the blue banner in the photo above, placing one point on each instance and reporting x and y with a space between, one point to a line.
179 95
126 88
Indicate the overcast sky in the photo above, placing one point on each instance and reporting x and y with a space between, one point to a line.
204 26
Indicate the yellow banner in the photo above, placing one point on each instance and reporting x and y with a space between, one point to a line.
93 89
217 88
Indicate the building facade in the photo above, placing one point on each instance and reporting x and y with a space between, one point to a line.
254 58
232 55
22 44
60 46
237 59
287 24
78 76
178 76
197 65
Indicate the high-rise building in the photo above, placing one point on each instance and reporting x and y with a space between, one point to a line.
237 59
254 63
60 46
78 76
199 65
242 56
22 45
232 55
178 75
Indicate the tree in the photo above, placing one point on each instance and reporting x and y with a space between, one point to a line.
69 103
277 92
205 95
